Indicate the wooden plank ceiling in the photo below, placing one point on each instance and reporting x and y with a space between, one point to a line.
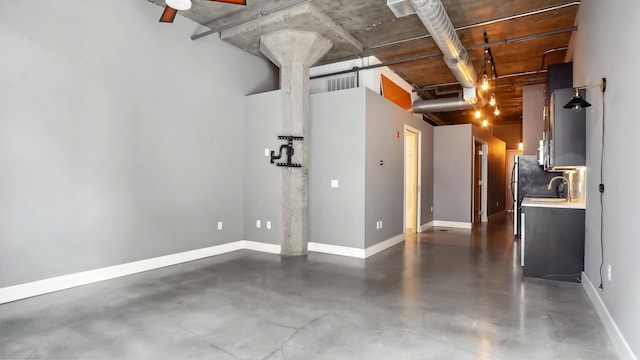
519 44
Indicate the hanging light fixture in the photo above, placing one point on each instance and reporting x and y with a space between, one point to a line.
485 123
492 102
179 4
577 102
485 83
478 114
496 111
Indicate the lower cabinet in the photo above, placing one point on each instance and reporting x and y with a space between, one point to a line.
553 243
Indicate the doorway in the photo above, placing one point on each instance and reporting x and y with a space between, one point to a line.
479 187
412 179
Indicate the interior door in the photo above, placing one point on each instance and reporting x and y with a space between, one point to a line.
411 181
477 182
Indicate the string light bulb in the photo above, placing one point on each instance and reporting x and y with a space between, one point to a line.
478 114
485 82
496 112
485 123
492 102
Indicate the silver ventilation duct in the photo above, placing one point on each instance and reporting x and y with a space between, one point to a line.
446 104
435 19
440 105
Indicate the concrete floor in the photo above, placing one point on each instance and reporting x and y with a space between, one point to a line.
451 294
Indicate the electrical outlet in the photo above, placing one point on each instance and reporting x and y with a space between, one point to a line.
219 225
268 225
258 224
335 183
377 225
431 208
380 224
608 272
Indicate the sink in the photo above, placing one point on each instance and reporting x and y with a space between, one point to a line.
547 200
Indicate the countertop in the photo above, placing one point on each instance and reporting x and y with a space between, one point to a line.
552 203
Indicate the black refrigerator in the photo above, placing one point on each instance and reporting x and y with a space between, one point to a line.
528 178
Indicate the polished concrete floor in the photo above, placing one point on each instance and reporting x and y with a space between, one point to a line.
445 294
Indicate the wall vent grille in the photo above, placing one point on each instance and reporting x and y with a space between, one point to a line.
342 83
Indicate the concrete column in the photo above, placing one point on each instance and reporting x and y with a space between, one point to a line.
294 52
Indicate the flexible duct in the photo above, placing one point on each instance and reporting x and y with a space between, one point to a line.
435 19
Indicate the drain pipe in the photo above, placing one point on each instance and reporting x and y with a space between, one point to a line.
434 17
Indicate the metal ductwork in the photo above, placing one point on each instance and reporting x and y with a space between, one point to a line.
440 105
434 17
446 104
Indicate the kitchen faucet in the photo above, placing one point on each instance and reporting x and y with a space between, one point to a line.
568 197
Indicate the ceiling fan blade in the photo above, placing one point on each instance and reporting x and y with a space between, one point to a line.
168 15
239 2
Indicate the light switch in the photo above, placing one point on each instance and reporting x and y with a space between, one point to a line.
219 225
335 183
258 224
268 225
266 152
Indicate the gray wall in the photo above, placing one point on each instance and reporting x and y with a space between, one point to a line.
263 180
605 48
496 167
511 134
120 138
344 124
453 146
337 152
532 117
384 198
452 173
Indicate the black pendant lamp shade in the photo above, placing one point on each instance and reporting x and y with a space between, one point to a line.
577 102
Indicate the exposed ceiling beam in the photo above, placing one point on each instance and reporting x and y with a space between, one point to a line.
484 23
438 53
256 15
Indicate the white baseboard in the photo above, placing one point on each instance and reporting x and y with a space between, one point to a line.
23 291
336 250
355 252
452 224
426 226
372 250
618 340
262 247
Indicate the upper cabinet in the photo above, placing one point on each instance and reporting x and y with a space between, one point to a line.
565 129
567 132
559 76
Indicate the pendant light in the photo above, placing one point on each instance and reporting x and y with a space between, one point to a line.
485 83
478 114
492 102
577 102
484 86
179 4
496 111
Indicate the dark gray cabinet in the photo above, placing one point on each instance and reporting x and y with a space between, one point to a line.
559 76
567 131
553 243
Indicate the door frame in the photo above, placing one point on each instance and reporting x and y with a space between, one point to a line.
408 128
484 177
